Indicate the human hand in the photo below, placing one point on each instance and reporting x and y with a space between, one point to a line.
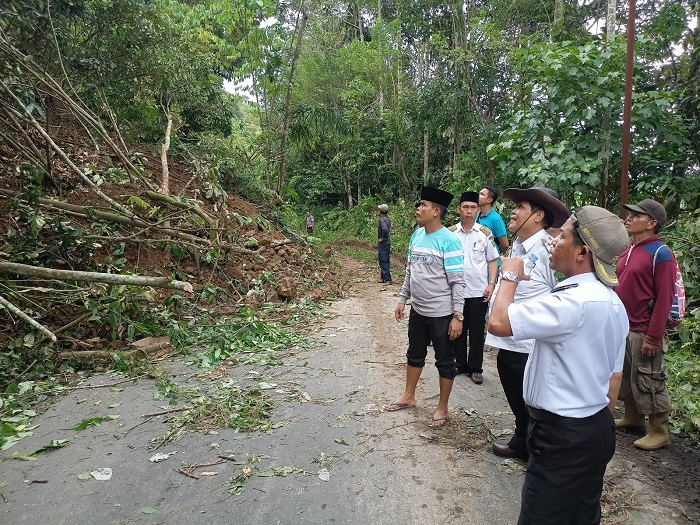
649 349
455 329
489 292
380 240
398 313
514 264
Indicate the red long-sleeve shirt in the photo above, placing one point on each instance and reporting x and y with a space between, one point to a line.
639 285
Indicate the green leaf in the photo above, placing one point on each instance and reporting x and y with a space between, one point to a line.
84 476
56 443
93 421
148 510
340 442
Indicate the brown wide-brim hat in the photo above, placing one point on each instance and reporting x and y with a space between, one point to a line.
544 197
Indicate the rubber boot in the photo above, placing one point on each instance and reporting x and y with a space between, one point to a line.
632 420
657 436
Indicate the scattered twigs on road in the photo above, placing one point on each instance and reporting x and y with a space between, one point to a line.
87 387
163 412
189 470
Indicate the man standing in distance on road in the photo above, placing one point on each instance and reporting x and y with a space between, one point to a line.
491 219
384 244
536 209
647 273
480 272
573 375
435 284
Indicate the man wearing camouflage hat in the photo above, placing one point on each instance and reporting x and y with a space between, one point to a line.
573 375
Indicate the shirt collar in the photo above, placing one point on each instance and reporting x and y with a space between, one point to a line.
581 278
531 241
460 228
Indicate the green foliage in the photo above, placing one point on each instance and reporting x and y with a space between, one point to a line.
246 337
683 370
128 312
683 359
36 237
567 132
244 410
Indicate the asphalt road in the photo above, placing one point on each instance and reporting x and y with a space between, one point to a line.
346 460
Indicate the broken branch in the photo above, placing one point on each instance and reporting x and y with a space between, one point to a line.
110 278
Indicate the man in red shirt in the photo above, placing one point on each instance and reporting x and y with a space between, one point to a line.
646 289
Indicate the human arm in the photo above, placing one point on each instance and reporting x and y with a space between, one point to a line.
503 243
499 323
664 285
614 390
493 272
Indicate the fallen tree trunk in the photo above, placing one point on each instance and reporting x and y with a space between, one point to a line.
95 277
184 205
19 313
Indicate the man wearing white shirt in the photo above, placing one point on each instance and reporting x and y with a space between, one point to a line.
573 376
536 210
480 270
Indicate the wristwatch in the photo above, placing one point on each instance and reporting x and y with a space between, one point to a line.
459 317
492 282
510 276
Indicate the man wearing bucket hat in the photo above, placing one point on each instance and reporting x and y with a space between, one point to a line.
435 284
384 244
573 375
647 273
536 210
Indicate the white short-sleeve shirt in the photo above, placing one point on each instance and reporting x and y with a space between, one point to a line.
542 281
479 250
579 331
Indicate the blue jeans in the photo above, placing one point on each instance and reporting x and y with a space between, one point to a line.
383 255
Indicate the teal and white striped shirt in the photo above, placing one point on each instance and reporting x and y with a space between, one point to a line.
434 273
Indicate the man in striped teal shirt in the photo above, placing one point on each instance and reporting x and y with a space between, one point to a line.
435 284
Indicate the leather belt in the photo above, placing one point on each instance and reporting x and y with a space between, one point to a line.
550 417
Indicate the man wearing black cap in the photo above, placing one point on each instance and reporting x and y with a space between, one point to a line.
435 284
647 273
536 210
573 374
480 271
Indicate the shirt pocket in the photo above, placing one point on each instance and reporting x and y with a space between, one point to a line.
479 251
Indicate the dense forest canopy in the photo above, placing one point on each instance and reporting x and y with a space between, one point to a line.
375 98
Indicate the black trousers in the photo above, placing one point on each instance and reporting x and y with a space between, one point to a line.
511 370
422 330
472 360
564 478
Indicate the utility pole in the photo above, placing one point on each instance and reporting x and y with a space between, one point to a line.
627 113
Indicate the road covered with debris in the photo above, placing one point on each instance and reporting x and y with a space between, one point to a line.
330 453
